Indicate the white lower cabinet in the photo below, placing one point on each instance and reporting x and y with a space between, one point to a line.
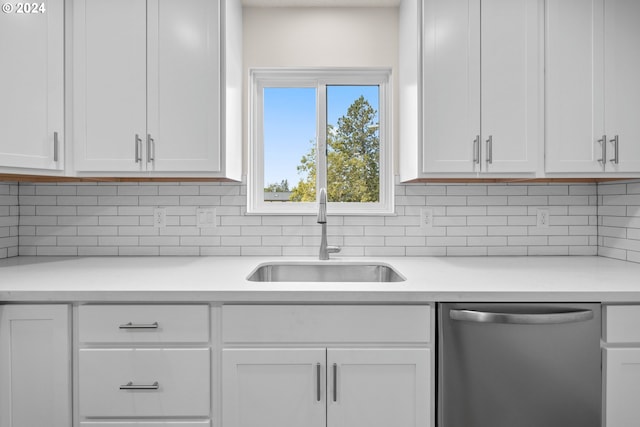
274 387
378 387
326 387
621 364
146 365
321 371
622 386
35 366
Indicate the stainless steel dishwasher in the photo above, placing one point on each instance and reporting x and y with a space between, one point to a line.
519 365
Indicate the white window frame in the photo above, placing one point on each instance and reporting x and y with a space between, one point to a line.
319 78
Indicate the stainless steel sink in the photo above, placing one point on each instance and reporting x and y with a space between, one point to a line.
325 272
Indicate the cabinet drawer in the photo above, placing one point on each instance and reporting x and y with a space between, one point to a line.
182 377
143 323
622 323
326 324
147 424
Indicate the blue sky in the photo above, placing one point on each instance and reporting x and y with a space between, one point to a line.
290 123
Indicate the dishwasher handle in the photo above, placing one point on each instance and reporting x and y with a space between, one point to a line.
524 318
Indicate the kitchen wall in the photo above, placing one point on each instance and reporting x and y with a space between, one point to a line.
8 219
473 219
619 220
322 37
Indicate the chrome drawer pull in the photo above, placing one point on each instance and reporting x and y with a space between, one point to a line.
476 150
335 382
603 144
55 147
151 149
616 159
131 386
318 382
130 325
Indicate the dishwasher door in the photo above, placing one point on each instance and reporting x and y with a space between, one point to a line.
519 365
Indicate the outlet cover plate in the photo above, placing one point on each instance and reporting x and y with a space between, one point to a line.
206 217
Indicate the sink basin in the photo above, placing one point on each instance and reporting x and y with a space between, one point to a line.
325 272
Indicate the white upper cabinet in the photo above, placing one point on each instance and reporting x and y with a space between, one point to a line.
592 89
481 80
451 86
183 85
110 101
511 84
622 85
147 87
32 85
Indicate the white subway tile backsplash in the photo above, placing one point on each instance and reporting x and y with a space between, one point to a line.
487 200
548 190
507 251
548 250
468 219
424 190
466 190
466 211
619 221
527 200
138 251
507 190
488 220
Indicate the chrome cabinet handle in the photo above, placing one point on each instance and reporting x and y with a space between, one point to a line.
603 144
131 325
490 149
138 143
55 146
567 316
318 384
335 382
616 158
476 150
131 386
151 149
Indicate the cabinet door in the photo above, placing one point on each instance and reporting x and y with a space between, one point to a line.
511 84
451 85
110 79
35 360
273 388
622 96
183 86
31 84
378 388
574 85
622 386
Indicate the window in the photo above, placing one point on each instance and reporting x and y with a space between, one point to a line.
312 129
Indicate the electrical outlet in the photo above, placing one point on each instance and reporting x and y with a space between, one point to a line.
542 218
159 217
206 217
426 218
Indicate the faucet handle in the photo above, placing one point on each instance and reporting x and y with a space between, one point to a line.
333 249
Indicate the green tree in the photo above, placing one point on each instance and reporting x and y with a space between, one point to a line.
283 186
353 153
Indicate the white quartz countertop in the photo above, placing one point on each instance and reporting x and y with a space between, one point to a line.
223 279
